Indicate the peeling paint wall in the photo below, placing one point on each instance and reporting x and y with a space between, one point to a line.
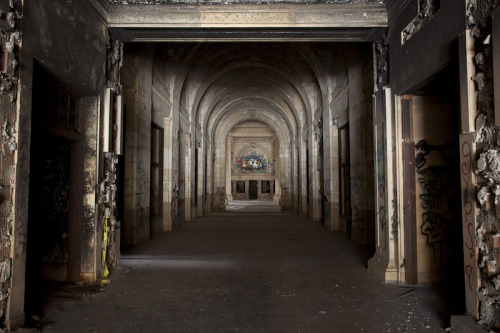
10 40
479 20
50 32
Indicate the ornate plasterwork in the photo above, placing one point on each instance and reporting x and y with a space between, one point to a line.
381 58
426 10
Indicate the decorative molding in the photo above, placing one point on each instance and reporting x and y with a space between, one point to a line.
381 59
426 10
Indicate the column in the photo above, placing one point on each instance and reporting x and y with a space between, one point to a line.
383 263
229 194
277 194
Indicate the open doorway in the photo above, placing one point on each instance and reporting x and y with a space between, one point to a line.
253 191
54 213
433 221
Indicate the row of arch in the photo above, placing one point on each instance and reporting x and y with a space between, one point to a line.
219 86
204 90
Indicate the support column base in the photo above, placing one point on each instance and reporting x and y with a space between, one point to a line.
465 324
383 268
89 277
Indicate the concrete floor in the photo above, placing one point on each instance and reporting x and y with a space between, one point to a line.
250 269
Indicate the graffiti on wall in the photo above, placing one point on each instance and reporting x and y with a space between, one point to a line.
254 163
438 196
380 171
357 180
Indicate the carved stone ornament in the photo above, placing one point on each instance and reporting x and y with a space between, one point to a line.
381 49
114 63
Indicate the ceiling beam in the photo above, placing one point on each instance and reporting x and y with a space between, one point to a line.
294 22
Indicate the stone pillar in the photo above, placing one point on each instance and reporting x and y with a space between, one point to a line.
303 179
272 187
201 170
296 168
277 194
188 195
247 189
259 189
229 194
167 174
383 262
210 179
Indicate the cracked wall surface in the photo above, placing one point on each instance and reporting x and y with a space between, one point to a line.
10 38
479 21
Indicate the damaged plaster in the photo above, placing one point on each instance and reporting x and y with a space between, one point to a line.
108 185
10 39
479 20
427 9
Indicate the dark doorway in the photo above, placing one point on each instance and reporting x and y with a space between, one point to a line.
55 184
433 203
240 186
253 190
266 186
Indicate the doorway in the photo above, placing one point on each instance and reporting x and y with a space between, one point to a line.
432 193
253 190
55 184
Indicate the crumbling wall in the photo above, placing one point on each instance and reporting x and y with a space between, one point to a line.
9 43
479 20
108 185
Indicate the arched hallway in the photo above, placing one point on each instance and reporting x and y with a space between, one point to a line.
364 123
247 272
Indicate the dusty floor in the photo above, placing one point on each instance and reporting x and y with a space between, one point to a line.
250 269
